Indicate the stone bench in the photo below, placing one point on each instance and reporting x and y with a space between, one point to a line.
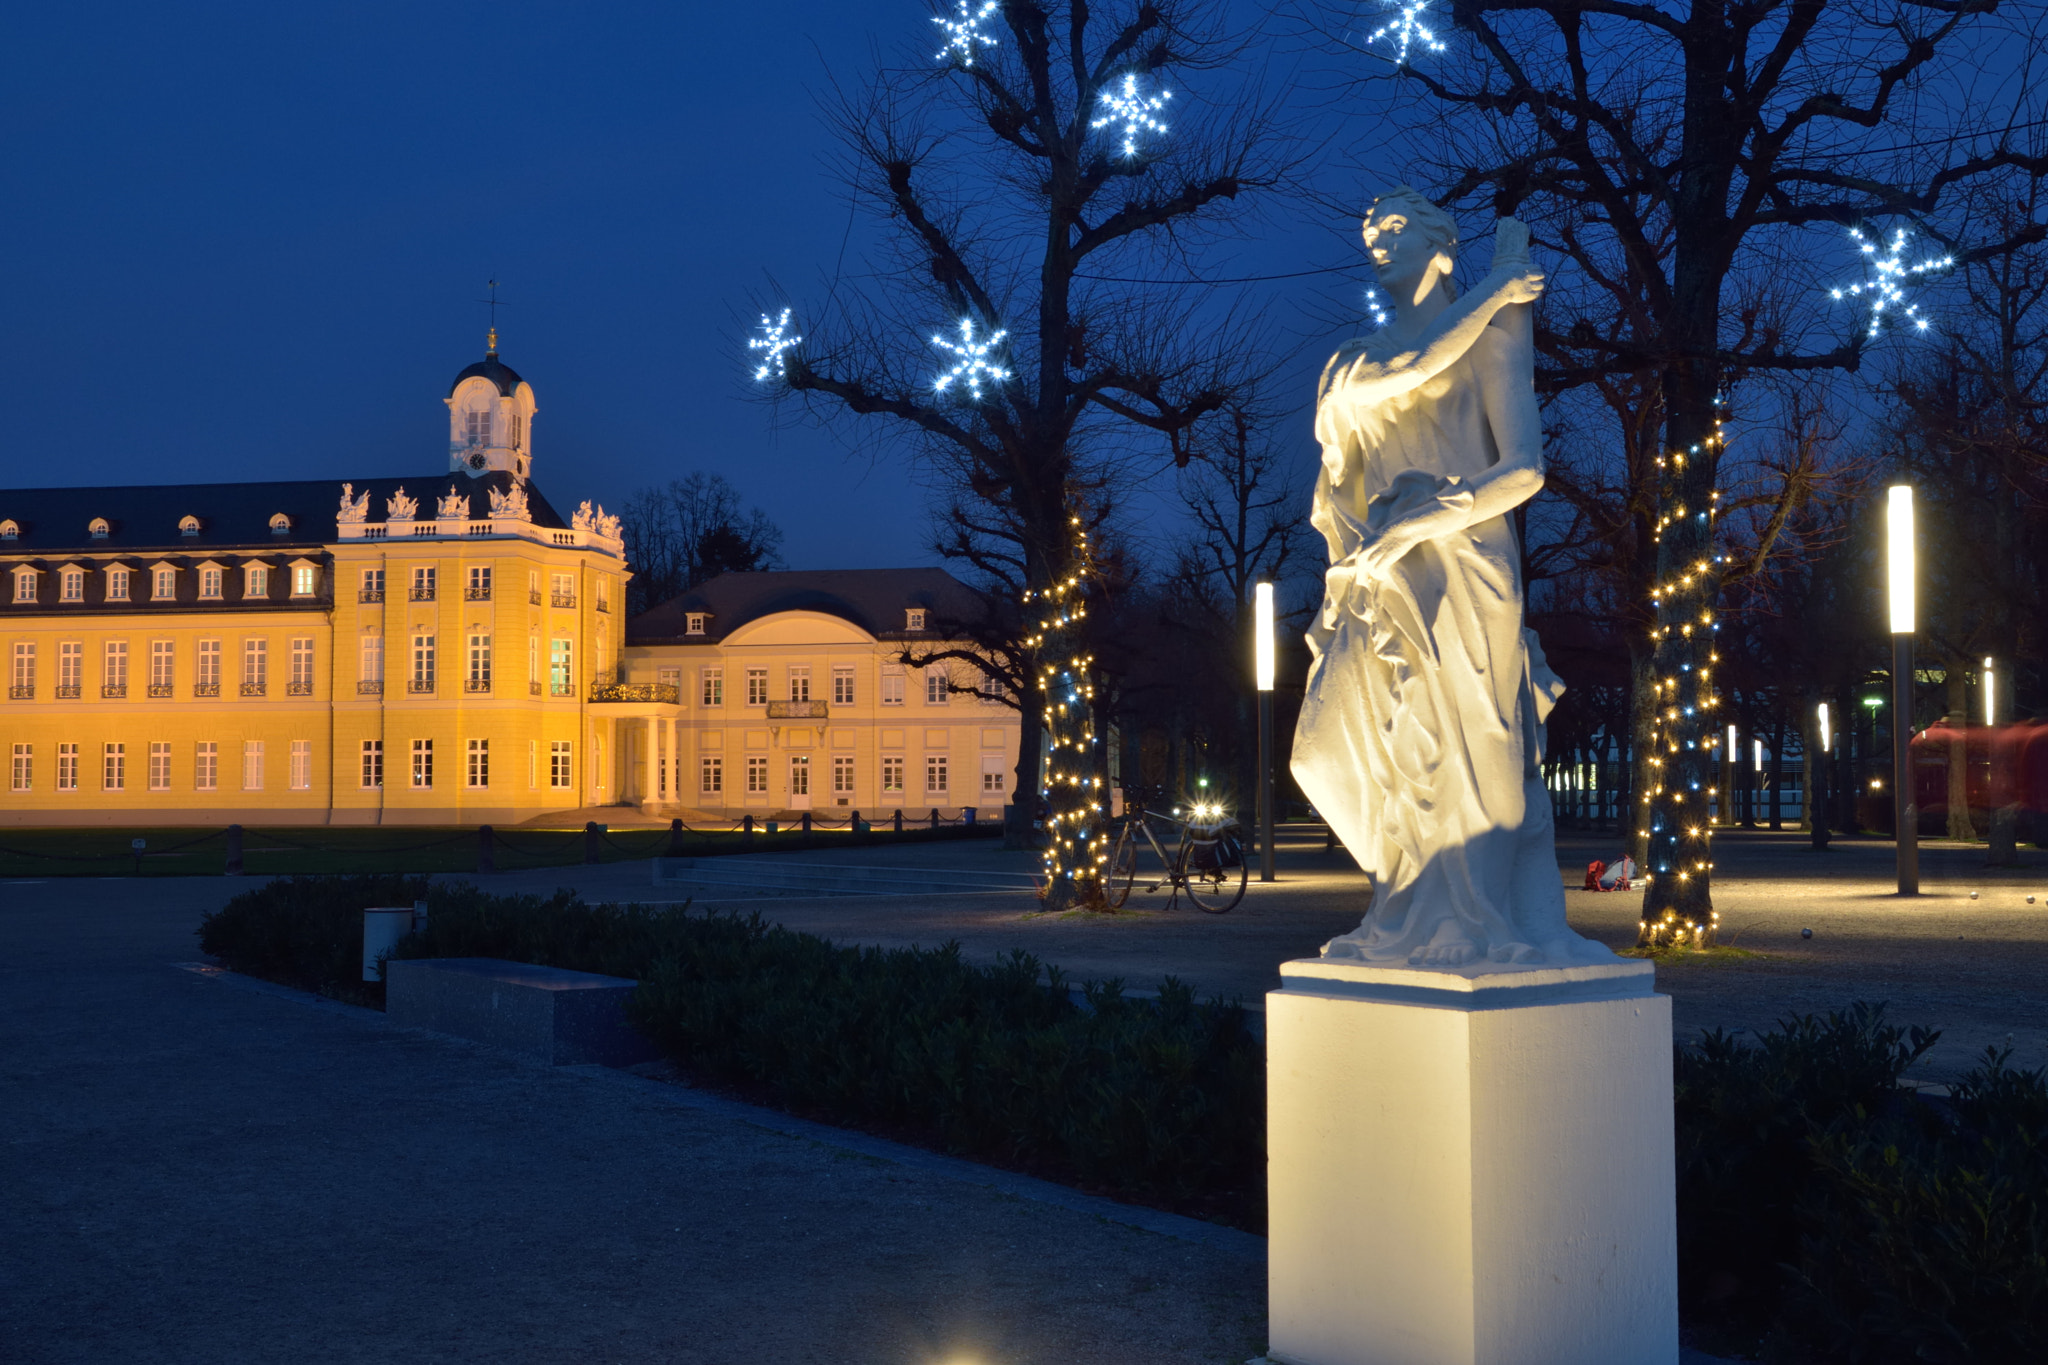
552 1015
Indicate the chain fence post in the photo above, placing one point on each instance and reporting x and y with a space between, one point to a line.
854 827
592 832
234 863
675 838
747 831
486 860
899 820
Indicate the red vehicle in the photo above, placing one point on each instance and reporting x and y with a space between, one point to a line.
2005 765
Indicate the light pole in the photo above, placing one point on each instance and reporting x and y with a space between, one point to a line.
1262 670
1899 566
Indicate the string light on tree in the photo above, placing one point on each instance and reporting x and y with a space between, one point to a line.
1407 29
1136 111
1077 844
972 364
776 342
963 32
1887 290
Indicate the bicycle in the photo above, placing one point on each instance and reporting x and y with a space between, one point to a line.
1208 862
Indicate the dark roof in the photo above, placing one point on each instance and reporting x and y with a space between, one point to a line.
497 371
142 518
873 599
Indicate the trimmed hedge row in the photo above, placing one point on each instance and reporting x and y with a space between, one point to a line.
1825 1214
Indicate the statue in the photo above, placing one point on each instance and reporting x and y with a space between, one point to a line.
355 507
454 507
399 507
511 505
1420 730
584 519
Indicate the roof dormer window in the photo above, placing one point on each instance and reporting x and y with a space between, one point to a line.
188 526
280 525
693 622
913 618
71 584
10 530
24 585
98 528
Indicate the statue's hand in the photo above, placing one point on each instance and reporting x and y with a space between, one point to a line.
1521 285
1510 243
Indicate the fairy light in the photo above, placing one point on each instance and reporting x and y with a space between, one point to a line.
776 342
963 31
1406 29
1076 845
1375 307
1887 290
972 364
1136 111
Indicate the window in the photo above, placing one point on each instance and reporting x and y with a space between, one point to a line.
935 773
209 584
757 687
533 664
163 660
70 668
713 689
373 586
302 765
97 528
671 678
710 776
990 691
422 664
757 775
479 763
67 767
114 767
892 775
992 781
24 585
892 684
842 687
206 766
799 774
478 426
373 764
604 592
479 664
370 661
305 580
423 583
114 679
799 684
73 589
256 581
24 774
159 767
561 667
913 618
562 589
423 763
301 681
937 686
255 667
280 524
252 765
479 589
164 585
117 585
533 589
24 684
693 623
842 776
561 764
206 676
188 526
10 529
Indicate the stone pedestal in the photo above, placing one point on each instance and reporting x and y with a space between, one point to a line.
1470 1168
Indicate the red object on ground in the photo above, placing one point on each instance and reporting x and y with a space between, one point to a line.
1594 871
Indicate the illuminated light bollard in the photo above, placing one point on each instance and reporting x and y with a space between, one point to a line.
1899 566
1262 660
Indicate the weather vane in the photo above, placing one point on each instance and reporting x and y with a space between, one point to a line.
494 302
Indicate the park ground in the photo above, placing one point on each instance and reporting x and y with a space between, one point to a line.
200 1170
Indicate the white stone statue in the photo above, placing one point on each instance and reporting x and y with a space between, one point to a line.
607 524
511 504
355 507
399 507
454 507
584 518
1419 733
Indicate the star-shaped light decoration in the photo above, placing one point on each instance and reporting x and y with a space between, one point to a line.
963 32
971 361
1135 111
1887 290
776 342
1406 29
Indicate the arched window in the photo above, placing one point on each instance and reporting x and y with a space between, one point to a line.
98 528
280 524
10 530
188 526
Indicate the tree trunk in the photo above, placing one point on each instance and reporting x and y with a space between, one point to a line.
1778 765
1959 823
1642 730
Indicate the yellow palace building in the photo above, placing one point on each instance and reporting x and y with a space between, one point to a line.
378 651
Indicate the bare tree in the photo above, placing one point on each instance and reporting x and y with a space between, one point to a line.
1027 201
689 530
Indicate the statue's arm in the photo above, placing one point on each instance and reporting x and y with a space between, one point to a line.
1364 379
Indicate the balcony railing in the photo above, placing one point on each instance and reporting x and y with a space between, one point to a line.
475 594
603 605
298 689
417 686
532 688
665 693
110 691
799 710
533 596
561 688
254 689
420 594
22 692
159 689
563 599
65 691
204 689
370 595
369 687
476 685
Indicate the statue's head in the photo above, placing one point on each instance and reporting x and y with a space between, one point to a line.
1413 243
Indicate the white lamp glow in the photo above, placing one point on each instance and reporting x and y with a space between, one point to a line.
1990 693
1732 750
1899 557
1759 754
1827 742
1262 648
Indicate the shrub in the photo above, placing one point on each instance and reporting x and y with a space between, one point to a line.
307 931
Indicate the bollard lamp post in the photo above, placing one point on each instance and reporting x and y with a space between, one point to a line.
1900 575
1262 677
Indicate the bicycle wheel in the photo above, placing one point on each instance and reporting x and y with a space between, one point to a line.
1217 889
1123 870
